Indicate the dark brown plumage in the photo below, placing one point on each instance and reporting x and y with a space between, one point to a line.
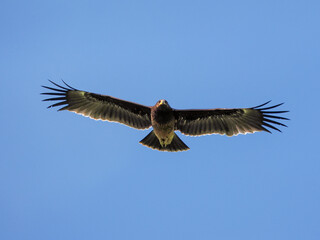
164 119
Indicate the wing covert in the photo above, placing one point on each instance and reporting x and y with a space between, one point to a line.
99 107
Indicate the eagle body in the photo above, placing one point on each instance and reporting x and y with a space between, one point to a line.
162 119
165 120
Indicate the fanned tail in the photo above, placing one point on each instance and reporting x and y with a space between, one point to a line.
152 141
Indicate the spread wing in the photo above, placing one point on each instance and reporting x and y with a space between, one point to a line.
99 107
228 121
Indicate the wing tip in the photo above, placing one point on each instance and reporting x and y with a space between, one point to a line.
58 90
267 114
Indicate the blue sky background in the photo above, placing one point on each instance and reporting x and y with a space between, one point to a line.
63 176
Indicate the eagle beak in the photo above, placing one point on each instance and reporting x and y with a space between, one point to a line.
162 102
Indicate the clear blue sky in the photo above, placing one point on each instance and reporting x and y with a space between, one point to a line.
63 176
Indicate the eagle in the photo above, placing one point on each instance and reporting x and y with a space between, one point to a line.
166 120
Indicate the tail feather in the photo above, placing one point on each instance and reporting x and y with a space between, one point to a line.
152 141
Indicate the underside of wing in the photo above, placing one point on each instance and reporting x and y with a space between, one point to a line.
99 107
228 121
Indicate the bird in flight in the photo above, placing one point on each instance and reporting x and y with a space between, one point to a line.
166 120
